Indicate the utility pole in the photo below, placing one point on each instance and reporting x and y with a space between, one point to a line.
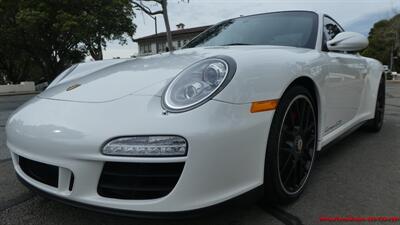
391 60
155 28
395 47
139 4
164 11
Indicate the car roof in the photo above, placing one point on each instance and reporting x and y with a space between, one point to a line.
310 11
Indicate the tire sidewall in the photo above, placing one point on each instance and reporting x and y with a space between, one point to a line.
379 119
375 124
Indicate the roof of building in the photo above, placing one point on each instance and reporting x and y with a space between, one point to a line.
174 33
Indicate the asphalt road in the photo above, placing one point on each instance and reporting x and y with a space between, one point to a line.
359 176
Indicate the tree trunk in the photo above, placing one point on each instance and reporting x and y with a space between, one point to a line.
95 54
167 26
95 50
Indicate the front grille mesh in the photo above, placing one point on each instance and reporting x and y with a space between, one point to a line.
138 181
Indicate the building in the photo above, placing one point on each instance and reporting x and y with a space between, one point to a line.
180 36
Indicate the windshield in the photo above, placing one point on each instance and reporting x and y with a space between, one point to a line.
296 29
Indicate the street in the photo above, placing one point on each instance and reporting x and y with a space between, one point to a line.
358 176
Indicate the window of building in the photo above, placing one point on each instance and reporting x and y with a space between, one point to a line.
179 44
147 48
161 47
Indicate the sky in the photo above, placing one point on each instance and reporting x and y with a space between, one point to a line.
353 15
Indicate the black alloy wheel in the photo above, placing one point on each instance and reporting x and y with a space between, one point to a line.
291 146
297 143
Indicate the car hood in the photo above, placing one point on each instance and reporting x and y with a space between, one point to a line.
109 80
112 79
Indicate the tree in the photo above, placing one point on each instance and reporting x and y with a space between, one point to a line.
140 4
47 34
103 21
15 64
53 34
384 40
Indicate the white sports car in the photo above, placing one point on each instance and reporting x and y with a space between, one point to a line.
243 106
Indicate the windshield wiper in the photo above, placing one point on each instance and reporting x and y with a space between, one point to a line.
231 44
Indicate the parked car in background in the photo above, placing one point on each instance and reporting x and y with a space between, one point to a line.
387 72
395 75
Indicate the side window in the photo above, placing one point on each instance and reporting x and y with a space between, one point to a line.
331 29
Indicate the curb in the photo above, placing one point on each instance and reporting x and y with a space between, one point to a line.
19 93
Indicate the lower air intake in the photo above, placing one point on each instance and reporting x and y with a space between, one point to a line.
138 181
38 171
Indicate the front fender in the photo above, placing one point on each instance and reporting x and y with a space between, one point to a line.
266 75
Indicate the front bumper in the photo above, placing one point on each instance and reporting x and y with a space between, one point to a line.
251 196
225 156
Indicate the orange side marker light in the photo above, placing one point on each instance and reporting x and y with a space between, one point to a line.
263 106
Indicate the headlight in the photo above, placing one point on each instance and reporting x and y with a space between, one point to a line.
146 146
198 83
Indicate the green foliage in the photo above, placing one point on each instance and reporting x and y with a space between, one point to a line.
105 20
384 38
41 38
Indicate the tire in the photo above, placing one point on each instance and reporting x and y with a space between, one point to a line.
292 144
375 124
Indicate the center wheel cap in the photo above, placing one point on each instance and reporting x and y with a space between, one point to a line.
298 143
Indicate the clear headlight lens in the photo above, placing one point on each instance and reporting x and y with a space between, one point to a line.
146 146
198 83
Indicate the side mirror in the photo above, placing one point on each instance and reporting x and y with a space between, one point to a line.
348 42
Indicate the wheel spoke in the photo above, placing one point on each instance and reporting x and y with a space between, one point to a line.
306 120
296 174
293 116
289 143
286 163
287 150
310 127
303 115
297 104
310 141
288 133
299 171
292 169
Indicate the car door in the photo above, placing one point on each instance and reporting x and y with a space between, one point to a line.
345 74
